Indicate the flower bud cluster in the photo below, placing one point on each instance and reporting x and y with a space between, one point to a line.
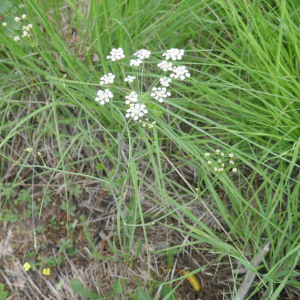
26 29
220 167
148 125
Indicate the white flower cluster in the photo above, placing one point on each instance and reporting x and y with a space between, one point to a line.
136 111
132 97
165 66
180 72
142 54
4 24
160 93
165 81
109 78
137 107
129 78
116 54
221 164
104 96
28 27
25 29
135 62
174 54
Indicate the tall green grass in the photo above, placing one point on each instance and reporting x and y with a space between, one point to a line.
243 97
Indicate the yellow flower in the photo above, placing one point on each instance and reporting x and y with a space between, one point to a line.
46 271
26 266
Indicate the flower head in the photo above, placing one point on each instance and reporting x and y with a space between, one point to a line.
217 151
135 62
107 79
46 271
174 54
165 81
230 154
165 66
132 97
234 170
16 38
103 96
136 111
4 24
17 19
129 78
25 33
29 26
207 154
116 54
160 93
143 53
180 72
231 162
26 266
209 162
24 16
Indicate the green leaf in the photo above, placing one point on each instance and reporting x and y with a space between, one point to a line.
8 33
3 294
5 7
100 167
81 290
117 287
12 24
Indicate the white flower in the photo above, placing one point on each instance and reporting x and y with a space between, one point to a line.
132 97
206 154
221 170
230 154
234 170
24 16
24 28
25 33
16 38
180 72
160 93
222 154
165 81
29 26
103 96
4 24
209 162
215 169
222 165
136 111
174 54
17 19
129 78
165 66
143 53
135 62
231 162
218 151
219 161
109 78
116 54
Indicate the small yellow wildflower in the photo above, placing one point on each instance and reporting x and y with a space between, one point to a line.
26 266
46 271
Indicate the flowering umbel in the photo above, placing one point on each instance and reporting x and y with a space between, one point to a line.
137 102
